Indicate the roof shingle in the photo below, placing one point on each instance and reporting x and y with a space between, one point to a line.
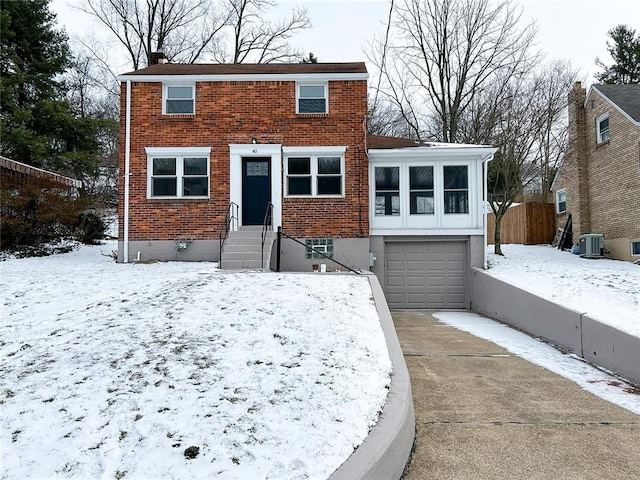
626 97
250 68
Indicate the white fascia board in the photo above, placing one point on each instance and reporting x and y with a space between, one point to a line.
273 77
426 233
413 153
177 151
325 150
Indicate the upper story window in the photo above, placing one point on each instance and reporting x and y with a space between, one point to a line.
178 173
456 189
561 201
421 190
311 98
387 190
602 128
179 99
320 174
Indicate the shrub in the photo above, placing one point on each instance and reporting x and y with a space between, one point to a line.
90 227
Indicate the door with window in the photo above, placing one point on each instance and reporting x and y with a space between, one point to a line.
256 189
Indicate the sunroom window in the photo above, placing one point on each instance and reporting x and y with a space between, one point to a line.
421 190
456 189
387 190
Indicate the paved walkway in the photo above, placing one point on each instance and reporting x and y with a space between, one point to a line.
483 413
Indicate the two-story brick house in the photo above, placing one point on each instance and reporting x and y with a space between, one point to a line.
599 180
200 141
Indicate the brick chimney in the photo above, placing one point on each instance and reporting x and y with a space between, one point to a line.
157 57
577 161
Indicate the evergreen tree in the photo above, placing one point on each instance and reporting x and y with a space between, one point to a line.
625 52
38 124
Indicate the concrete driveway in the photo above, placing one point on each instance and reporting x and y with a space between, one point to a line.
483 413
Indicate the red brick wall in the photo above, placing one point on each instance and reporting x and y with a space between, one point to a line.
236 112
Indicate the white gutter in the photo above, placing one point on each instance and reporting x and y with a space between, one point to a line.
485 169
127 160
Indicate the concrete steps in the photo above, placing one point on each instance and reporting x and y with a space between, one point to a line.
243 249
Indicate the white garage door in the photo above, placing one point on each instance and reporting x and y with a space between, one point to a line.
426 274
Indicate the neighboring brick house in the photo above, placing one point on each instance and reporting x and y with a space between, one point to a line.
599 180
199 141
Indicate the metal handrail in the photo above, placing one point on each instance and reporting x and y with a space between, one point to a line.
230 224
267 225
281 234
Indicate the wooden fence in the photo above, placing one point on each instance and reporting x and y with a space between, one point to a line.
527 223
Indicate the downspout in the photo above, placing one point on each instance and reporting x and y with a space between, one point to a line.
127 160
485 174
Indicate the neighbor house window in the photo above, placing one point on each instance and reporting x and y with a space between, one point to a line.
387 190
324 245
315 175
179 99
602 128
311 98
635 248
421 190
178 172
561 201
456 189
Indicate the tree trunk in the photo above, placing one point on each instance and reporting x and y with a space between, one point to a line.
496 236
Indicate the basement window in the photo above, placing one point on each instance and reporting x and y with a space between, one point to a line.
324 245
635 249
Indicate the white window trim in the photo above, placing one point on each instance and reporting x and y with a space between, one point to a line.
313 153
631 248
558 192
468 189
325 85
165 89
599 138
177 153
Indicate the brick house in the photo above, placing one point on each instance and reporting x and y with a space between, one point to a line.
204 147
599 180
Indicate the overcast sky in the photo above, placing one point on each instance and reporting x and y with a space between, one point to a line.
567 29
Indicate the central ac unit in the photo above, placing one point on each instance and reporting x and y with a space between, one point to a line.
591 245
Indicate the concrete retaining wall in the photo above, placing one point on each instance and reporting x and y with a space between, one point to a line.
579 333
385 452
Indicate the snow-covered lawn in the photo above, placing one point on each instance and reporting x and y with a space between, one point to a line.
608 290
115 371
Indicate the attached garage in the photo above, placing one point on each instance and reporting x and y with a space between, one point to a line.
426 274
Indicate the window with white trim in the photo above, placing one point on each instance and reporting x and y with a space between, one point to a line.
421 190
311 98
178 99
635 249
324 245
387 191
602 128
178 173
314 175
456 189
561 201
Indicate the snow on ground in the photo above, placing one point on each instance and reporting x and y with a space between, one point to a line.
570 366
607 290
113 371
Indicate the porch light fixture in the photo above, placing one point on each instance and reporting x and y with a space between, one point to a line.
254 141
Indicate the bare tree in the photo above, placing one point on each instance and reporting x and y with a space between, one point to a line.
182 29
191 30
445 52
258 40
